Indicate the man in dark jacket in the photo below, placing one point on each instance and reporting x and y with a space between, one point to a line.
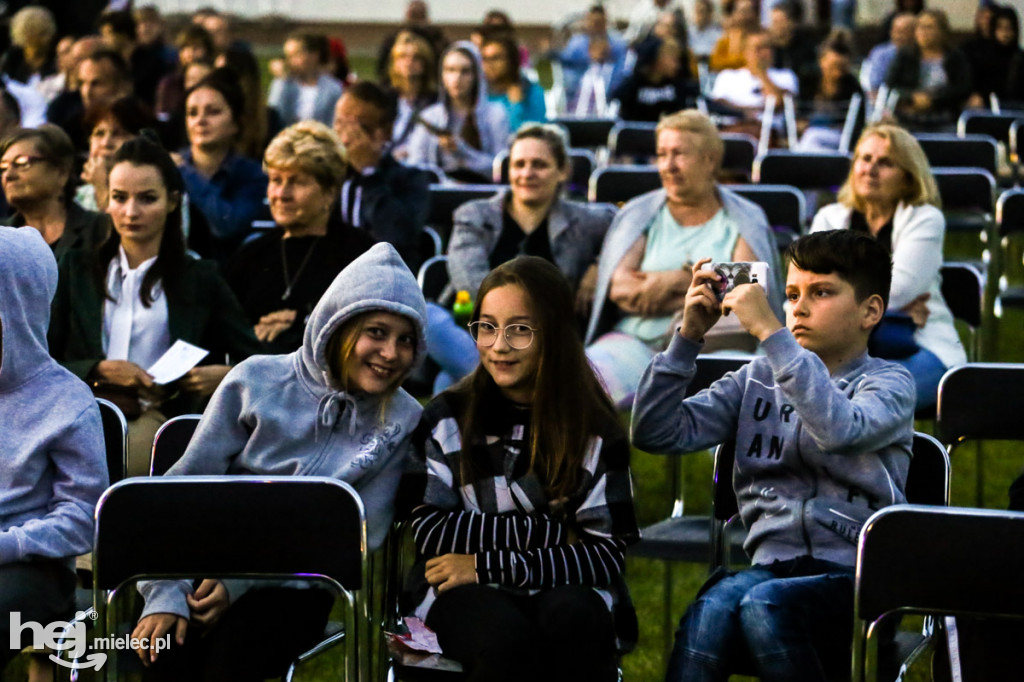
383 196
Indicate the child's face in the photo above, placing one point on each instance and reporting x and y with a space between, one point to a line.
513 370
383 353
824 316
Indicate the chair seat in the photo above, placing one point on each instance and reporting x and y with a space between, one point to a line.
683 538
966 222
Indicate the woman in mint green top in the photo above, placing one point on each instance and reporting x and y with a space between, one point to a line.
522 99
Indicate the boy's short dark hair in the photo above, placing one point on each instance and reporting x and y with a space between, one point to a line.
384 101
856 257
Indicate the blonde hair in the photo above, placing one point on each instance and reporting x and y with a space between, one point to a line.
33 22
908 156
310 147
340 347
693 121
424 52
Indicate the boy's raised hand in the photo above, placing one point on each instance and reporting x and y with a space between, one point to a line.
750 303
702 308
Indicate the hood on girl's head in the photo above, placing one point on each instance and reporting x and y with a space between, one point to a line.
469 49
376 280
28 281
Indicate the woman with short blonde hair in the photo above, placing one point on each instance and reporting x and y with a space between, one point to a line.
892 196
693 121
279 276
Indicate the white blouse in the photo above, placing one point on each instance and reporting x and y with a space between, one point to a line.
132 331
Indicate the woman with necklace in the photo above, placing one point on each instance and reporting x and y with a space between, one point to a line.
280 276
119 308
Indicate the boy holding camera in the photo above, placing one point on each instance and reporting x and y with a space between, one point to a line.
823 438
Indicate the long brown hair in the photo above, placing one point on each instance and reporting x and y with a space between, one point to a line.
569 404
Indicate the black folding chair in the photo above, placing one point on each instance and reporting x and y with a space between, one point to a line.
963 288
738 158
934 560
968 198
1010 223
980 401
586 133
433 277
783 205
983 122
619 184
444 199
115 438
948 150
633 139
235 526
806 171
171 441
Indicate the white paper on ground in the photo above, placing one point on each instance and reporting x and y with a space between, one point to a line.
179 358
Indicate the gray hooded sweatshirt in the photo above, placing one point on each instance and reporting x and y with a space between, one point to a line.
286 415
53 466
816 454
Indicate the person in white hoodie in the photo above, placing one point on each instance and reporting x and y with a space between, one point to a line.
52 462
332 408
462 132
892 195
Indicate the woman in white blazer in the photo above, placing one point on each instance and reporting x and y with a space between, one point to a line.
892 195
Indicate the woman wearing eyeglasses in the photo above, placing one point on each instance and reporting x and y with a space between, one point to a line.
35 171
527 506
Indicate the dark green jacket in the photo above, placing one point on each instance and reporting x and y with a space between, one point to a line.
83 229
201 310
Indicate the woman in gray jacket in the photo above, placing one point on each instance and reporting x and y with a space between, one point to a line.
529 218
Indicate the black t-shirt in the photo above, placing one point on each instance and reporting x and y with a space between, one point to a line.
859 223
257 276
513 241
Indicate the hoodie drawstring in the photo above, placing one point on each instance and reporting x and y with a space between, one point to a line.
331 406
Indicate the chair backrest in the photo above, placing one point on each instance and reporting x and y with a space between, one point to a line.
740 152
980 400
587 133
820 170
1010 211
431 242
115 438
583 164
945 560
619 184
433 277
962 288
966 189
171 441
947 150
444 199
980 122
229 525
632 138
783 205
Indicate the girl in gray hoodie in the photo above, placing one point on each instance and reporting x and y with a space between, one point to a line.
332 408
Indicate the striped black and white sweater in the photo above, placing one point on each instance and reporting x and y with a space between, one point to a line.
523 541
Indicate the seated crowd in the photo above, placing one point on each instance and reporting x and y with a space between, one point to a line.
153 193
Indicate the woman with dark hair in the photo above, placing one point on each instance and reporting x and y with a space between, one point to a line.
825 94
462 132
227 187
262 123
932 76
195 46
660 84
36 174
412 74
109 127
740 19
522 99
119 308
998 64
527 507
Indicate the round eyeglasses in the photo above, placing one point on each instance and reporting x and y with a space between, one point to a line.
517 336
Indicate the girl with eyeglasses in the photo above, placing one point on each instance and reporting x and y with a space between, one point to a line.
527 506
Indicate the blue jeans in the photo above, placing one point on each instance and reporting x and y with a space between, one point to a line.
450 346
927 370
789 621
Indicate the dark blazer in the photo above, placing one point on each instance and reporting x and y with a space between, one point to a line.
201 310
83 229
905 74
